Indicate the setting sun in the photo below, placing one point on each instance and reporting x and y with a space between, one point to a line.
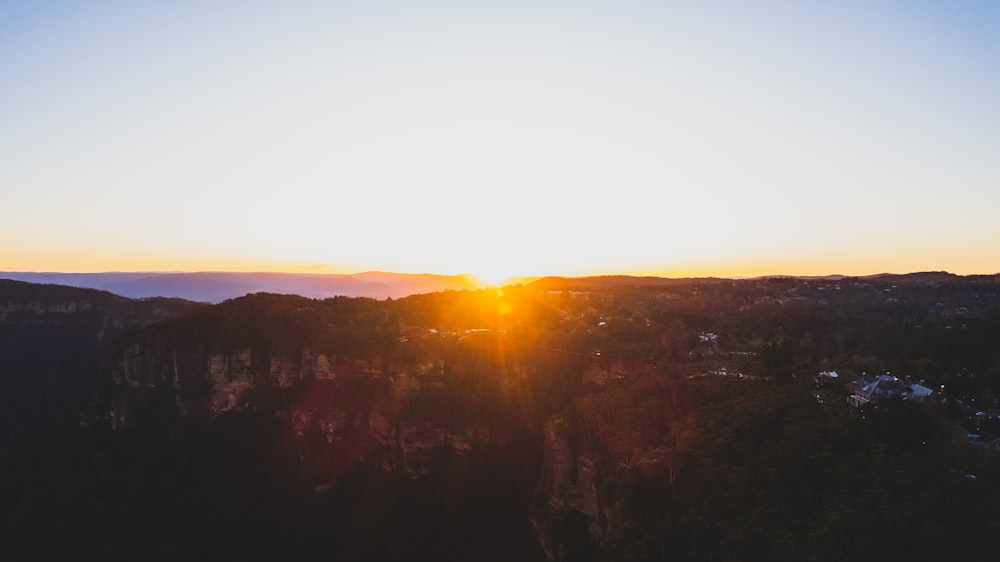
525 139
524 280
494 278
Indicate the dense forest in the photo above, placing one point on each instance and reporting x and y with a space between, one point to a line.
569 419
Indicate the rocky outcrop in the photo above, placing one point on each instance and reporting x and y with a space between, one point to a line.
341 401
53 340
578 501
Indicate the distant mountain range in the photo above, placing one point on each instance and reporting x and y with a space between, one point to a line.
216 287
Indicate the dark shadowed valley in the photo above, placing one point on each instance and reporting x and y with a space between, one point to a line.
567 419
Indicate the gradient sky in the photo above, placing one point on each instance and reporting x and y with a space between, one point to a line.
501 138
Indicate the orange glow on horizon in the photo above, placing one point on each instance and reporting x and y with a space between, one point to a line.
74 262
855 265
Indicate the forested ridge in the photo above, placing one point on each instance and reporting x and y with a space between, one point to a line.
595 419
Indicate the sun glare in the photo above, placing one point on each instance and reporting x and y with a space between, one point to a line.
494 278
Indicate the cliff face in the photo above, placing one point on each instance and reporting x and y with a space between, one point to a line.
611 443
578 502
462 413
436 425
52 340
419 404
352 404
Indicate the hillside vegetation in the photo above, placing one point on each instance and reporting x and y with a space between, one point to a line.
595 419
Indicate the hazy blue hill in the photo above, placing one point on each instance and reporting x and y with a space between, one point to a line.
416 283
216 287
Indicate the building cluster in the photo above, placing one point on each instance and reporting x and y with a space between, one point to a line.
872 388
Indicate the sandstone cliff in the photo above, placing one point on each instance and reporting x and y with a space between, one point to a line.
53 340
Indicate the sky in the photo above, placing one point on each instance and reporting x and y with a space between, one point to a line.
501 138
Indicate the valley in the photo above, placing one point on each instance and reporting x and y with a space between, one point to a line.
565 419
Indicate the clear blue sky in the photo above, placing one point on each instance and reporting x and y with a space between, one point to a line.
501 138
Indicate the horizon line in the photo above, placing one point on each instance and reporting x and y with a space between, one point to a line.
533 277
